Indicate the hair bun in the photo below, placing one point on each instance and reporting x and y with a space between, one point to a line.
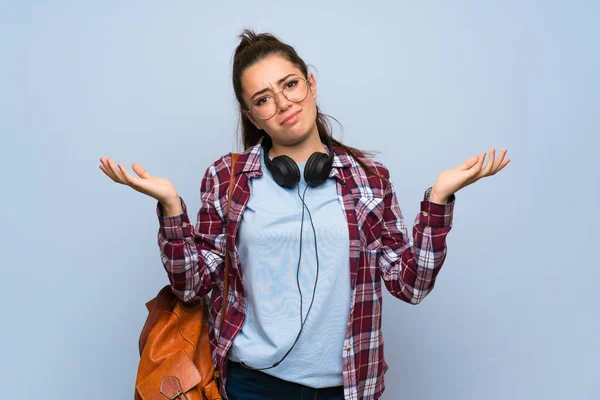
249 38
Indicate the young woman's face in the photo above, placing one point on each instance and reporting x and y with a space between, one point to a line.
288 117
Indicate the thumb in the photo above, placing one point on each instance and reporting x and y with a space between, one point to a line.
141 172
469 163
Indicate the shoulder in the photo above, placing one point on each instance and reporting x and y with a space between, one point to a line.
376 166
222 168
219 168
364 170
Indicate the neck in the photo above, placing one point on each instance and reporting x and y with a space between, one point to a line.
301 151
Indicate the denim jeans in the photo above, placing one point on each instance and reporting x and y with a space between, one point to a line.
247 384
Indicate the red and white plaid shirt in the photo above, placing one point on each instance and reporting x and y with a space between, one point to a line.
380 248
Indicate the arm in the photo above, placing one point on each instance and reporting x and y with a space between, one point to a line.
409 269
192 256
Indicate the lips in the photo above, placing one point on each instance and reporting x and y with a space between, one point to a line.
290 119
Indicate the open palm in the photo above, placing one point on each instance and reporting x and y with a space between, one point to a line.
454 179
160 189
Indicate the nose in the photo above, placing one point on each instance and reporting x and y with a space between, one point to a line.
282 102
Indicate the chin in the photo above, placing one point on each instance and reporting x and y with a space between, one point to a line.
292 135
288 138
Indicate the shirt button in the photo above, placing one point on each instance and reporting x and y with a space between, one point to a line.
425 214
347 348
184 224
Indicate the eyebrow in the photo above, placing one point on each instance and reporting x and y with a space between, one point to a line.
279 82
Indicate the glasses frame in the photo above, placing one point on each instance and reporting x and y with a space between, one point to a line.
282 91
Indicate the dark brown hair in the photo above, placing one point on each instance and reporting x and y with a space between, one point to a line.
255 47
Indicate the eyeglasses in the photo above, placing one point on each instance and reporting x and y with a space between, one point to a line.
265 107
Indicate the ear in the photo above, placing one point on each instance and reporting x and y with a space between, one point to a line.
252 119
312 84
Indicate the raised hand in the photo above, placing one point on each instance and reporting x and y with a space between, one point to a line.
454 179
160 189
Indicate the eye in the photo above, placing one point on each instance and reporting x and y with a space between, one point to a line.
261 101
292 83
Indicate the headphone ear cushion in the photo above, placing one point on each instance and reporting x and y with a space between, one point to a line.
285 171
317 169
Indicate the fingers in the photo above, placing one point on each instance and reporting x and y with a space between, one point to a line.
105 167
503 164
497 163
117 172
490 164
109 168
129 179
493 165
476 170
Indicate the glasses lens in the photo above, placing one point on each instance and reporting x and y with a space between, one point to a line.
294 90
264 107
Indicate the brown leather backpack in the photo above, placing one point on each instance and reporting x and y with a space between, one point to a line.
175 355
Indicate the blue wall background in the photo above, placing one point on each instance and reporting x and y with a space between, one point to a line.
427 84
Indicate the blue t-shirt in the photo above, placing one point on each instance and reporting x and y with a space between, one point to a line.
269 248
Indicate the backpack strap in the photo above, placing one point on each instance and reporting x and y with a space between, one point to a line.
234 157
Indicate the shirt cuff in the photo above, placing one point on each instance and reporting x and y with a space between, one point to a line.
436 215
175 226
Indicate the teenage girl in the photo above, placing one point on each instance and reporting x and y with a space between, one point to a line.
314 228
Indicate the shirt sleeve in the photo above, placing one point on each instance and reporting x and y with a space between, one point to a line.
193 256
409 267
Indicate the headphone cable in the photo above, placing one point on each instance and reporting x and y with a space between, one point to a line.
302 322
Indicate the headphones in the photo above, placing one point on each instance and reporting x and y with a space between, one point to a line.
286 173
